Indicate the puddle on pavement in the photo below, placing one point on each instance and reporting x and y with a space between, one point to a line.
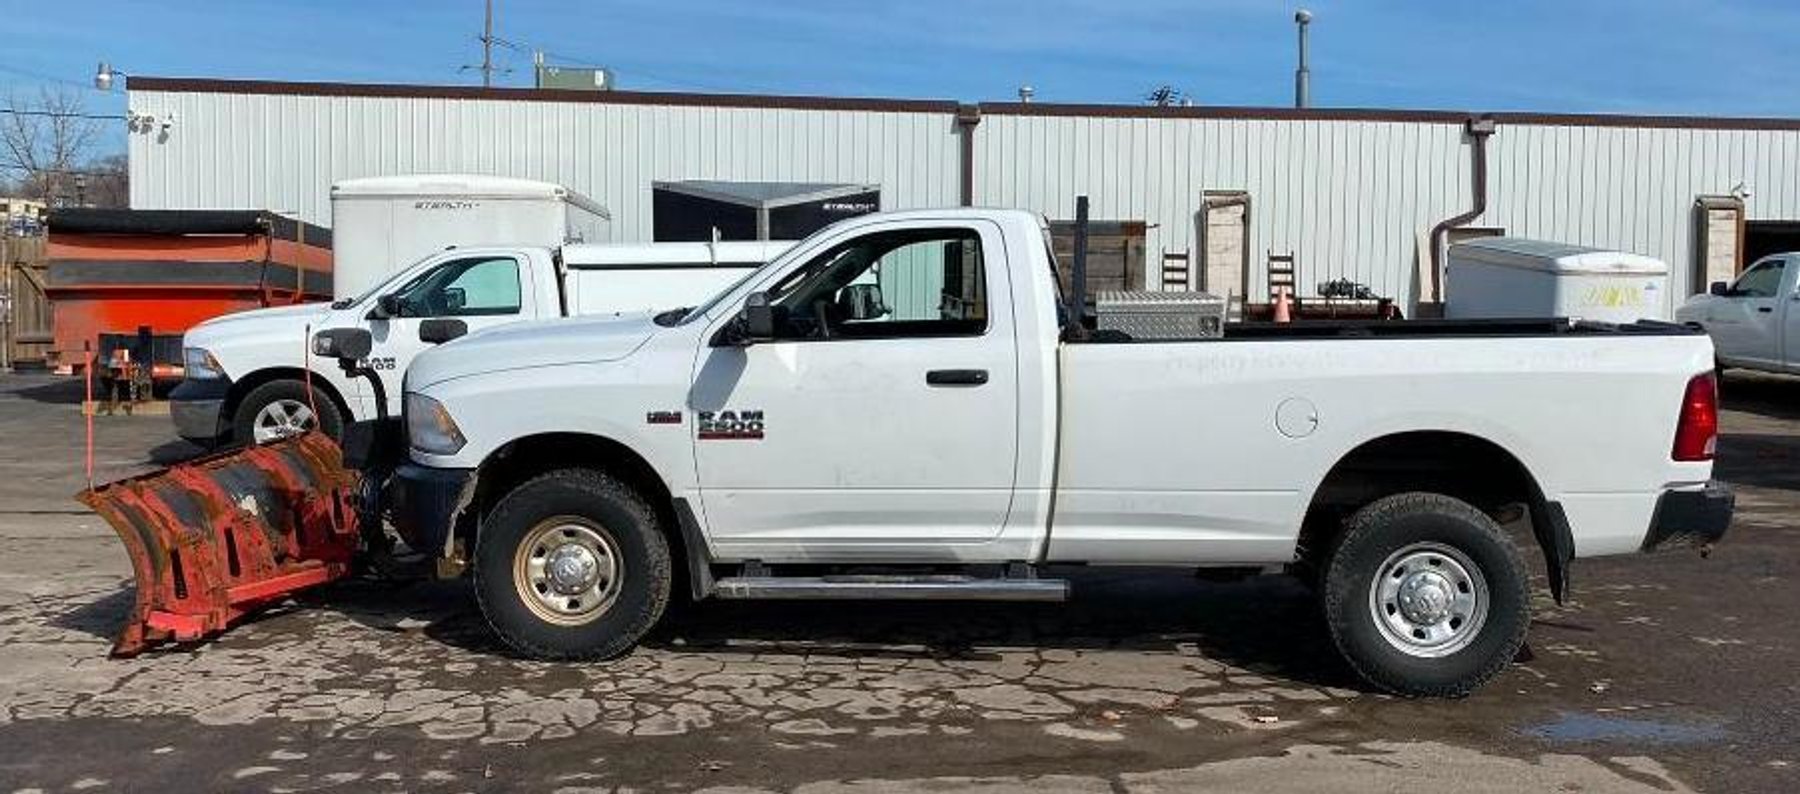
1572 727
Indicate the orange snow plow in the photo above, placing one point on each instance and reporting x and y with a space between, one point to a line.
216 538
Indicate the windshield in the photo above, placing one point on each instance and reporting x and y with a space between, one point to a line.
720 295
382 284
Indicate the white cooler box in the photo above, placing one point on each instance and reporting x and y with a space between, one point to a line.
1516 277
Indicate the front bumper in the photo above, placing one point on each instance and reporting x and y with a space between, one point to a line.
1692 517
424 503
197 407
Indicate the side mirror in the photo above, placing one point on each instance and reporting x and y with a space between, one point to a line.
387 306
343 344
1720 289
455 298
758 317
441 330
862 302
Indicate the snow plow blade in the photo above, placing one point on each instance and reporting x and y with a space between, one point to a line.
217 537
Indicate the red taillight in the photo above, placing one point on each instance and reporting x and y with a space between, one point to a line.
1697 431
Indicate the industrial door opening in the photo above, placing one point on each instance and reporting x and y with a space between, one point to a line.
1762 238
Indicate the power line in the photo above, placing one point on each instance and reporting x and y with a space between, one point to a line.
63 171
57 114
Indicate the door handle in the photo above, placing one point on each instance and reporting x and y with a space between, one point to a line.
956 377
1765 309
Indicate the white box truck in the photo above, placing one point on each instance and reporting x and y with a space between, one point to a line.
380 224
1499 277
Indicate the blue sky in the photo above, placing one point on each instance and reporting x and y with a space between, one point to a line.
1722 57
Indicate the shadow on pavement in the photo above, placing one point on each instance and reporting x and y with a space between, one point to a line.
1772 396
170 453
51 389
102 617
1268 626
1759 460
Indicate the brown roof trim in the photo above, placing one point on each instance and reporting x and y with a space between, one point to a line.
216 86
1220 112
1387 115
1648 122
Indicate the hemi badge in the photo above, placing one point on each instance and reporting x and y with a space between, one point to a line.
663 417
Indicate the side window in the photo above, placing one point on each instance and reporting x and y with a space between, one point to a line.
916 282
464 288
1760 281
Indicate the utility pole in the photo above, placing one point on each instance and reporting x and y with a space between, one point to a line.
1302 75
487 48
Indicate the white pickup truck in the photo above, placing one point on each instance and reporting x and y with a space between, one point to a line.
1754 321
896 409
247 373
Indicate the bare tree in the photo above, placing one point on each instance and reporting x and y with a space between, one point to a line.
108 182
44 141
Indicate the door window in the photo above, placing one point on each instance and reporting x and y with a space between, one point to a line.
464 288
916 282
1762 280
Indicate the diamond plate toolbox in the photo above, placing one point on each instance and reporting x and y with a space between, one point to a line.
1160 315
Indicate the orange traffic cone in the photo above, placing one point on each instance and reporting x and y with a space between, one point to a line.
1284 306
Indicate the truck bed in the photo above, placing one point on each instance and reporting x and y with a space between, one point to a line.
1434 328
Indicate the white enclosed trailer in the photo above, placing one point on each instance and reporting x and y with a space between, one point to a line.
382 224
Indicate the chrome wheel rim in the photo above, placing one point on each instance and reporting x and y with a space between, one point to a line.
281 419
1429 600
568 570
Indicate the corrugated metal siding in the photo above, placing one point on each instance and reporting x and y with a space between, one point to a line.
282 152
1344 196
1349 197
1634 189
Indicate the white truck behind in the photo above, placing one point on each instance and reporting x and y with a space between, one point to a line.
1754 321
247 374
898 408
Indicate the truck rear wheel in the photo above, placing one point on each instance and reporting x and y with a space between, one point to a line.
572 565
1426 596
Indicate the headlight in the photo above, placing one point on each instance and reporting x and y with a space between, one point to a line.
429 427
198 363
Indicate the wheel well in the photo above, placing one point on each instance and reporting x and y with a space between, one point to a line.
242 387
522 459
1459 465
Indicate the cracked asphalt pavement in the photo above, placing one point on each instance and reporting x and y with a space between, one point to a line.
1664 673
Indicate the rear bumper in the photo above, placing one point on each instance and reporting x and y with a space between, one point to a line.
423 503
197 407
1690 517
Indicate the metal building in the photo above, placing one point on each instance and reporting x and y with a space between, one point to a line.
1351 194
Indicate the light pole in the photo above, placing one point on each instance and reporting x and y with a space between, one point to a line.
1302 75
105 77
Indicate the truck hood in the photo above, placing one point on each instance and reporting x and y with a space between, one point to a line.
286 324
542 343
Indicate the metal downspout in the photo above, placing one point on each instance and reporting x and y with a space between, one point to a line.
967 117
1478 128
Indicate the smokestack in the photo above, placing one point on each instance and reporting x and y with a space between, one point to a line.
1302 75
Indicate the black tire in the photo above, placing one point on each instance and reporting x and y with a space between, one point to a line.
1425 523
243 420
588 498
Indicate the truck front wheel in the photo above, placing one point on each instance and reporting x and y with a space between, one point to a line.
282 409
572 565
1426 596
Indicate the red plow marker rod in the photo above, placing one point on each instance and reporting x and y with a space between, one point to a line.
216 538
